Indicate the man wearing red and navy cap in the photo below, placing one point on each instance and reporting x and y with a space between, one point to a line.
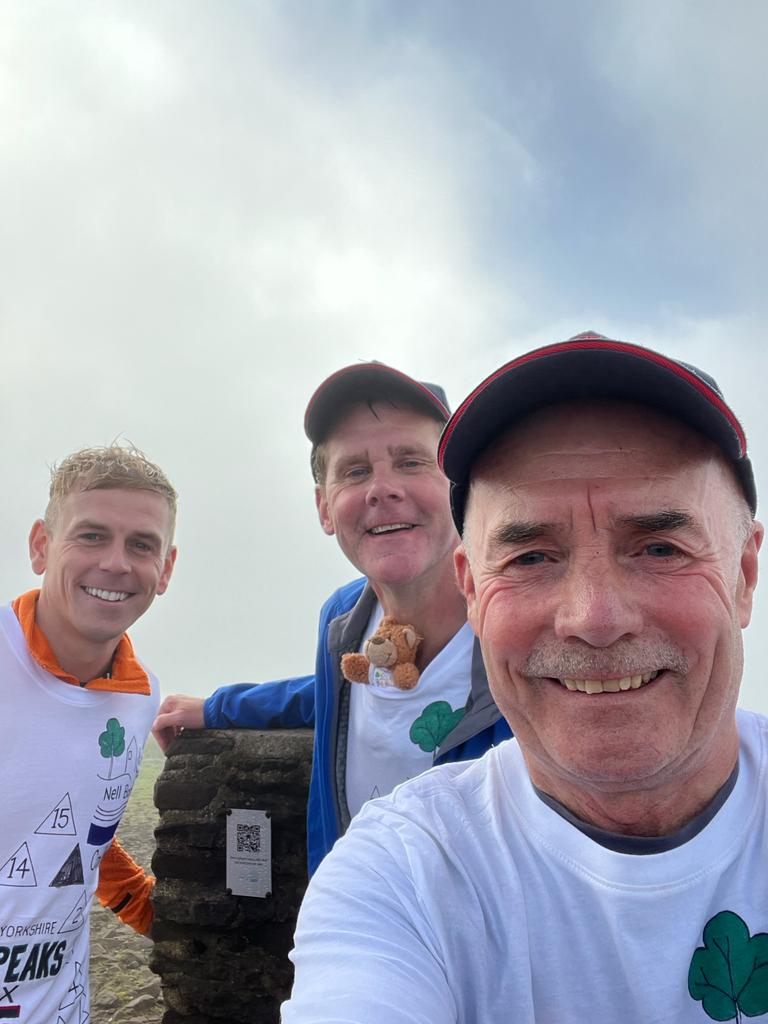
381 493
609 862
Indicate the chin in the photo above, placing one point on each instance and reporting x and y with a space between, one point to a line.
104 628
609 769
393 577
102 636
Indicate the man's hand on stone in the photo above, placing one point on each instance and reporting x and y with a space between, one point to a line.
176 713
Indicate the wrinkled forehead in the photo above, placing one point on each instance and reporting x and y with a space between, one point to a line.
370 418
596 441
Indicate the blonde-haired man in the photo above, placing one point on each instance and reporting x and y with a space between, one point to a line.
81 705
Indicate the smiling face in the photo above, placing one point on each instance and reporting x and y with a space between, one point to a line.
609 570
105 557
384 496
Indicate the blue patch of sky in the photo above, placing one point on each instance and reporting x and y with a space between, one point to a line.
607 221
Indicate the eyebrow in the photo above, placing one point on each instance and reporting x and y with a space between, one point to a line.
88 524
94 524
412 449
353 459
656 522
652 522
519 533
147 535
394 451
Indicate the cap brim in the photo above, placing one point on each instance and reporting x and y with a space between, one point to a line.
589 370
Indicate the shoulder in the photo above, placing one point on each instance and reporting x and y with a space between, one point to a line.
443 831
751 723
753 732
445 801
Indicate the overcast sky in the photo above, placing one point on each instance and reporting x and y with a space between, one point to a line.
207 207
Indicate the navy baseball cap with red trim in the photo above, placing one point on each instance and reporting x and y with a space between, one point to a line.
363 382
588 366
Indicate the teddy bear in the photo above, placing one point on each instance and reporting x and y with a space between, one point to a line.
387 658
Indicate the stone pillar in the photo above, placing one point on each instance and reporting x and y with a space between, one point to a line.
219 956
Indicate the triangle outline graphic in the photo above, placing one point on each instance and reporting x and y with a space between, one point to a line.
24 850
76 988
76 918
65 805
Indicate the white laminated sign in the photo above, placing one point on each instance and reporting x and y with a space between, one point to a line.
249 853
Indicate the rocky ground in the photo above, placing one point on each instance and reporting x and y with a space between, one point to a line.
123 989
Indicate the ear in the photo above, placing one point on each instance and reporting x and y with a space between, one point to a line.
38 547
321 502
749 573
165 575
466 582
409 635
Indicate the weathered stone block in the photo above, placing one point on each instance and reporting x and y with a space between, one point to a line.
220 956
177 792
202 741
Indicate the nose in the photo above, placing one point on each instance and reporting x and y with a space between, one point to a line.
383 486
597 605
114 558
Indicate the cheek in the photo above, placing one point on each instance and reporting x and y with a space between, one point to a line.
340 508
158 570
694 604
431 494
505 623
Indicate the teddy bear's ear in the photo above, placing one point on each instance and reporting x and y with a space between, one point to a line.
409 635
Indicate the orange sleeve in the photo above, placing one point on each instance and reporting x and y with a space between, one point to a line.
126 888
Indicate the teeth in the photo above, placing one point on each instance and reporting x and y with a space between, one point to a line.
390 527
608 685
107 595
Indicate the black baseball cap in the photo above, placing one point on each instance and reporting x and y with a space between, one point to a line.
588 366
369 382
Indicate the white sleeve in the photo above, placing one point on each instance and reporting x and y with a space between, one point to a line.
366 950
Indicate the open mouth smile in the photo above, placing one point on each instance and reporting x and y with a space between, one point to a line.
389 528
107 595
634 682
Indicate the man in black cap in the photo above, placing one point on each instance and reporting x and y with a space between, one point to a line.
609 863
380 492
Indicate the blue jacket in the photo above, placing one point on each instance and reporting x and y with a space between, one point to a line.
322 701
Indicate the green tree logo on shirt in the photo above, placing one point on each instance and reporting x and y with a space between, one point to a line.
112 741
433 725
729 973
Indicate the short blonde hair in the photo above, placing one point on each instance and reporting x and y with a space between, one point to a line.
101 469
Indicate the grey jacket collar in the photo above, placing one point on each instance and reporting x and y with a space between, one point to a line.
346 631
345 634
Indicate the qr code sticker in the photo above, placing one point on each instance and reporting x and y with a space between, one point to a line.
248 838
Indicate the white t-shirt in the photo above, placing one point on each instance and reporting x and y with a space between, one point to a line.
68 759
393 734
465 899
